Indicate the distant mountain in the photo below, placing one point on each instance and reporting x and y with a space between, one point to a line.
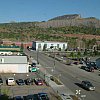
66 17
71 20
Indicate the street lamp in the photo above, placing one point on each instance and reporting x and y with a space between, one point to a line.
54 63
37 57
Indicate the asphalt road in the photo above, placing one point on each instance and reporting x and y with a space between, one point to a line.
71 76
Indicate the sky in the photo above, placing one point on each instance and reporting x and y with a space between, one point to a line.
43 10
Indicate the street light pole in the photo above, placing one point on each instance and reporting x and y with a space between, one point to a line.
37 57
54 60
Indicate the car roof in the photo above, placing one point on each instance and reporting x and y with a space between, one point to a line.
20 79
0 78
17 97
42 93
29 79
86 81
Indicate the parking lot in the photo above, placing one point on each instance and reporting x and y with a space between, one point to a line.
23 90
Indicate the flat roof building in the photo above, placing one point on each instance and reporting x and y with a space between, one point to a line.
13 64
47 45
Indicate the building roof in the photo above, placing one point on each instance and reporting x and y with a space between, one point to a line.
48 42
13 59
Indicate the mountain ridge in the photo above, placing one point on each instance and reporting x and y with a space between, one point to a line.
64 17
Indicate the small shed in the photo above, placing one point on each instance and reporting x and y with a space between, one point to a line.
13 64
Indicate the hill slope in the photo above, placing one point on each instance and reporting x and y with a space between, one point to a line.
51 30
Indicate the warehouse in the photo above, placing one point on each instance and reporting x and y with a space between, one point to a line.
13 64
47 45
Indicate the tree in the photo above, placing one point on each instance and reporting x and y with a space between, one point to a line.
1 42
22 46
71 54
85 52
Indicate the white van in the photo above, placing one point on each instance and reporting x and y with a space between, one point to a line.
11 81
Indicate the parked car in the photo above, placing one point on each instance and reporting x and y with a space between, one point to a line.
18 98
1 81
66 97
33 64
38 81
89 69
28 97
20 82
87 85
29 81
43 96
11 81
93 64
76 62
31 97
32 69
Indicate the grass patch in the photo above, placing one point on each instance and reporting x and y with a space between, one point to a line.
56 80
74 97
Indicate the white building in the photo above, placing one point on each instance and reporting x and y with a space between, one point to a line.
47 45
13 64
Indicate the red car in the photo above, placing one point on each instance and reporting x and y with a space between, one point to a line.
38 81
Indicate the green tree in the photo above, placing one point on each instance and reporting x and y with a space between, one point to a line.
22 46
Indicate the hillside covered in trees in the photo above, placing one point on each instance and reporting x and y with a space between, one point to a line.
52 30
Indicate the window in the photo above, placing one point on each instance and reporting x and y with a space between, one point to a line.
63 46
57 45
44 47
39 46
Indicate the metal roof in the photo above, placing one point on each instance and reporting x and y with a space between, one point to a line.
13 59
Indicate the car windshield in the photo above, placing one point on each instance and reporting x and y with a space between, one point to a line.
11 79
39 80
0 80
44 97
89 84
33 64
29 79
20 80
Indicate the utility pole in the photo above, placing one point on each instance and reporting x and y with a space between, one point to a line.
54 60
37 57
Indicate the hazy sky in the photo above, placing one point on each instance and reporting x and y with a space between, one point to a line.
43 10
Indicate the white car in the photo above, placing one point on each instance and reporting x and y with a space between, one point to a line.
11 81
66 97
